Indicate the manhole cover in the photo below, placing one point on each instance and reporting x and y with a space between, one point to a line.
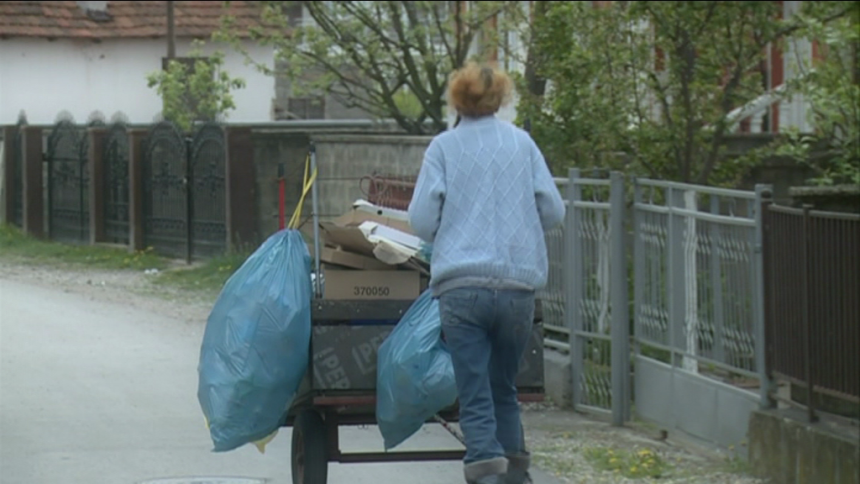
205 480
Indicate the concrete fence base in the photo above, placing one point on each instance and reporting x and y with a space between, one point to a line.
787 450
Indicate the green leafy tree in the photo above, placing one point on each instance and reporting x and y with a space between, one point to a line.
390 59
199 90
660 81
831 86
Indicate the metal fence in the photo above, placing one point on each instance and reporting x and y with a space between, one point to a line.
68 183
698 308
675 269
553 295
597 294
585 300
185 191
697 273
812 283
116 184
17 182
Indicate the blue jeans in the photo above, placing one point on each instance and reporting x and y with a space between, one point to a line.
486 331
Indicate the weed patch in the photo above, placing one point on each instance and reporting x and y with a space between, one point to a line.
633 464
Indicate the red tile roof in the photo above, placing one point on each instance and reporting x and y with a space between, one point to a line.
127 19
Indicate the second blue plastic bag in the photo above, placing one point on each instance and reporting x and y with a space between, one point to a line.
256 344
415 376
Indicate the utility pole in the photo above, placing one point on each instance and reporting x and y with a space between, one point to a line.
171 34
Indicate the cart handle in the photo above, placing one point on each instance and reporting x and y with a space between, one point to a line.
308 184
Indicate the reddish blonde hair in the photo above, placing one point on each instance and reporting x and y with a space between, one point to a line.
478 90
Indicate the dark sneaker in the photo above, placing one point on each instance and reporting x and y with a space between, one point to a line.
495 479
516 476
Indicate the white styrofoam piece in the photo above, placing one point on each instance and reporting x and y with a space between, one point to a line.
391 253
380 231
392 213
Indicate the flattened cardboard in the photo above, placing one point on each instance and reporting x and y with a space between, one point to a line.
349 259
371 285
350 239
356 217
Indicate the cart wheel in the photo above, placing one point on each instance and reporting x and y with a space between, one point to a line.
309 449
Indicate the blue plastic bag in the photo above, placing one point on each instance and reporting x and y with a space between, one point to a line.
256 345
415 376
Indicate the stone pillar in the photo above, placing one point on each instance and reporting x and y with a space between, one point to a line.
95 158
33 217
135 188
9 174
241 189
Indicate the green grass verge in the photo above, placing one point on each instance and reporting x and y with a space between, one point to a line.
14 244
208 276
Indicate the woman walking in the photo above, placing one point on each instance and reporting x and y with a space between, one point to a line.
484 198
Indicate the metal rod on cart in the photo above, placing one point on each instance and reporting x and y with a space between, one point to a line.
282 210
457 435
316 219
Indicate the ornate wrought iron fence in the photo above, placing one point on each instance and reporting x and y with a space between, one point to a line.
116 179
165 203
68 181
18 174
207 172
185 191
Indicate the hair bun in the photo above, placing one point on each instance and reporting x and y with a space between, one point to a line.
476 91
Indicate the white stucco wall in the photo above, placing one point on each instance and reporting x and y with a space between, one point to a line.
44 77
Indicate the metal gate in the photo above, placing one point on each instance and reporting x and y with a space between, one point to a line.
184 191
597 295
208 190
68 180
165 201
116 194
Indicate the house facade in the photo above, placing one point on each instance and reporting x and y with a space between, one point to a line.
88 59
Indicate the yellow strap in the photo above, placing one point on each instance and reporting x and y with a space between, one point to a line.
308 184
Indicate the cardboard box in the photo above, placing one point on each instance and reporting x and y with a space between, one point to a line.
348 259
346 284
345 357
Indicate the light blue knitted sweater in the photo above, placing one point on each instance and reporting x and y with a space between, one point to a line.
484 198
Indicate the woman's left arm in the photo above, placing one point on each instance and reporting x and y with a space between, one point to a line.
425 209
